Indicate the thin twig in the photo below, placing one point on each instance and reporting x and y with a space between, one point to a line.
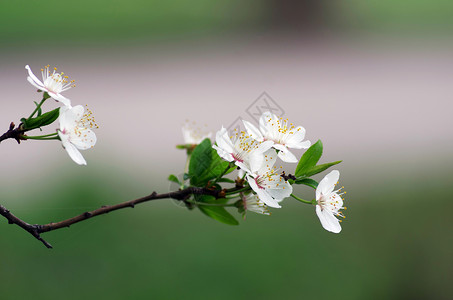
32 229
36 230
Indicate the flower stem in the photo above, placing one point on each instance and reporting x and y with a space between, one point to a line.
44 98
46 137
235 190
186 168
302 200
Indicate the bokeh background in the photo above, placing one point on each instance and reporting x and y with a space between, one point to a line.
371 79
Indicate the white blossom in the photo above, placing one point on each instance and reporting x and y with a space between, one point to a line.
252 202
194 136
282 134
241 149
75 131
268 183
53 83
329 202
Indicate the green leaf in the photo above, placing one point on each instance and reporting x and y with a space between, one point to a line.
205 164
42 120
308 182
320 168
218 213
173 178
39 109
309 159
200 161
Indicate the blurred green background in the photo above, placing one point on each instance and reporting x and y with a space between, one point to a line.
396 242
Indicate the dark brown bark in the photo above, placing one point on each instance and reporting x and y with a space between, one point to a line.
36 229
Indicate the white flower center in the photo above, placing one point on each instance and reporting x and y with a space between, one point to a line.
56 82
193 134
243 145
270 179
331 202
87 120
280 130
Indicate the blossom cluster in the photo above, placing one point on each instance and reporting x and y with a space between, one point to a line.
76 123
255 152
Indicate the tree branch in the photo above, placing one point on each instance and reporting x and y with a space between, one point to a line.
37 229
13 133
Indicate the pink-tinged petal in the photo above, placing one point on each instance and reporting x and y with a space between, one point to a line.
287 156
262 194
328 220
327 184
75 154
252 183
253 131
42 88
63 137
223 154
86 139
33 77
60 98
64 124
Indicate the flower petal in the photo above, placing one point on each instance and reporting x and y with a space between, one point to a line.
42 88
33 77
223 140
280 191
60 98
270 157
265 121
253 131
223 154
327 184
264 146
299 145
74 153
262 194
256 160
296 136
69 116
328 220
243 166
267 199
84 139
287 156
